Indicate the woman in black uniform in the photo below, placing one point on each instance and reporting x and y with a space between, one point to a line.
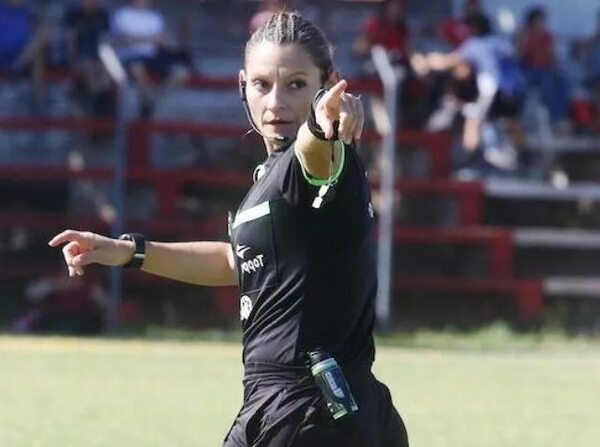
301 252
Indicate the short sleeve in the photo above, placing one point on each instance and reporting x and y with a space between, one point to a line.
467 50
116 22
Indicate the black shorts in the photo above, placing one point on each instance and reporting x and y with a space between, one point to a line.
161 63
280 411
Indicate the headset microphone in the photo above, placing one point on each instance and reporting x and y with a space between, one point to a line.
242 88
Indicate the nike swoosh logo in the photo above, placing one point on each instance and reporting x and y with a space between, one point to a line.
241 250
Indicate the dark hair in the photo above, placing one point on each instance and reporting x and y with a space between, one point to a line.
533 15
480 25
400 22
291 28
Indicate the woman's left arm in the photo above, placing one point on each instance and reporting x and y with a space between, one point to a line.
335 105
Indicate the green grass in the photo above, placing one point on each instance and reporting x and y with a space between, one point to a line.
61 392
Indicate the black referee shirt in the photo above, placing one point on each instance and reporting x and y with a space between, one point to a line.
306 274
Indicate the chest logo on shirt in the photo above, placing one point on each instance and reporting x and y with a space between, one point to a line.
245 307
253 264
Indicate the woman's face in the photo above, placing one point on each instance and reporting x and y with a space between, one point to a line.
281 81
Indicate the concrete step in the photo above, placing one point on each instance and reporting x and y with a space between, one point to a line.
557 238
577 157
521 203
542 252
572 287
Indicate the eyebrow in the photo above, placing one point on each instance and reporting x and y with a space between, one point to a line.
295 73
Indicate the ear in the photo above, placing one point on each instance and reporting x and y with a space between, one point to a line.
242 84
334 78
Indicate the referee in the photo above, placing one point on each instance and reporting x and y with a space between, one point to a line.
301 252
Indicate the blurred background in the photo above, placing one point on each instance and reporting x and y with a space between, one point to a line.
495 137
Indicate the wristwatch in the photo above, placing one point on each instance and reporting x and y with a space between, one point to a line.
139 254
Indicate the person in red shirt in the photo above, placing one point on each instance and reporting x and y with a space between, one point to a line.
455 31
387 28
265 11
536 49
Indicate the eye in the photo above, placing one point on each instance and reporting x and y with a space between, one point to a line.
297 85
260 84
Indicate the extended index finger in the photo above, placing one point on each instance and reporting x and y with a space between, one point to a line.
68 236
337 90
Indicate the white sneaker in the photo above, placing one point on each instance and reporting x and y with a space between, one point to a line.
502 157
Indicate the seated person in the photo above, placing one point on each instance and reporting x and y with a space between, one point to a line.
387 28
141 37
86 23
536 49
592 58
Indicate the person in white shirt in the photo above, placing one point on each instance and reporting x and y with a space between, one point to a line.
485 83
140 34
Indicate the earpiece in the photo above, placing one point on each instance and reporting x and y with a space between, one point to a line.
242 90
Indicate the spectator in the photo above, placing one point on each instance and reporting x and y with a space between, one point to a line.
140 33
595 107
86 23
588 112
22 43
536 49
61 305
266 9
579 95
457 30
485 84
387 28
592 58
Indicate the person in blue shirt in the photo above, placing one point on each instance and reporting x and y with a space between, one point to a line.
22 44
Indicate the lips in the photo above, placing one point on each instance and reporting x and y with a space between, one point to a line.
277 121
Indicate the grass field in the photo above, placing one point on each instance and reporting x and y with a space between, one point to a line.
61 392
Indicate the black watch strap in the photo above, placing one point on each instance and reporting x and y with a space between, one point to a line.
139 255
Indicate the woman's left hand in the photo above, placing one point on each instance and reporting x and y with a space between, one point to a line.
336 105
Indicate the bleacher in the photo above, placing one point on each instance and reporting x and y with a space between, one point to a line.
496 244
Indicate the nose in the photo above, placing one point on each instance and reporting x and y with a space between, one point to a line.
275 99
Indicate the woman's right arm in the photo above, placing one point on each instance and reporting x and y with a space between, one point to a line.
201 263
